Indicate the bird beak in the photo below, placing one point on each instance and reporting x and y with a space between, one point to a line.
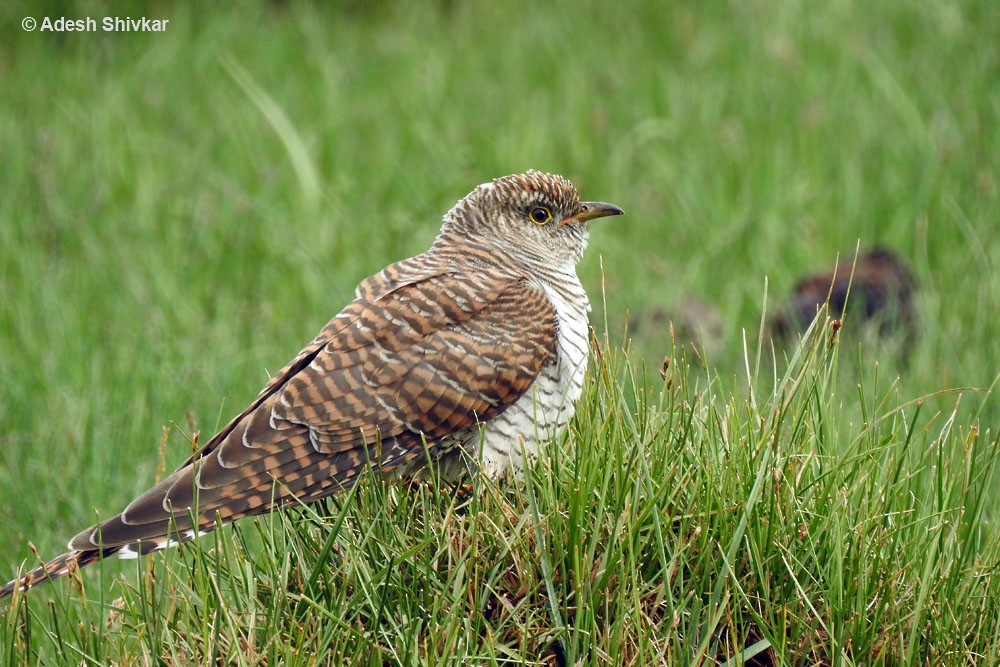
593 209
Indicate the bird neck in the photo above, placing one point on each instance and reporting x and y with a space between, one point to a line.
457 246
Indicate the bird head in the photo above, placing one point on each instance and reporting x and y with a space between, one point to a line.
535 216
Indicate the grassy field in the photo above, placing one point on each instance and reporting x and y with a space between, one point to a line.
182 211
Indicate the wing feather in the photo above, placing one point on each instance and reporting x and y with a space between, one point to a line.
422 353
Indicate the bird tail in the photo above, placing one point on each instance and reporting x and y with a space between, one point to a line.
60 566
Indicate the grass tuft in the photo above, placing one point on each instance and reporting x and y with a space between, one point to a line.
676 524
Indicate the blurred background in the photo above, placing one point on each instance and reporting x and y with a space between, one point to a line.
182 210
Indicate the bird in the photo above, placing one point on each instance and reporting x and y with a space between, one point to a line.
465 357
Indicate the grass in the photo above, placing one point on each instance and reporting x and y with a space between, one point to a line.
182 210
673 526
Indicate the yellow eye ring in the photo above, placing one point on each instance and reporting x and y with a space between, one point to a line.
540 215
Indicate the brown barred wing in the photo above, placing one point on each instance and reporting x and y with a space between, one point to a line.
414 364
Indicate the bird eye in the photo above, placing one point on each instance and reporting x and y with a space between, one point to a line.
540 215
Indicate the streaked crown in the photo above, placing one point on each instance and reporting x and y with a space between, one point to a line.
535 216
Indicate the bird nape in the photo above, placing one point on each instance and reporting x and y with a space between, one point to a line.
465 354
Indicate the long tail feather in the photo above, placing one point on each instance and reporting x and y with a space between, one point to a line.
59 566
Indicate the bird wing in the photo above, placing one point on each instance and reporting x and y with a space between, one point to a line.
416 357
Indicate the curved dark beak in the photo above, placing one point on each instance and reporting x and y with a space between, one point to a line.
596 209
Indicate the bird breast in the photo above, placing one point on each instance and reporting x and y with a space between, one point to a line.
545 409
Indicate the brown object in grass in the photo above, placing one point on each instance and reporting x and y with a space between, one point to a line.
878 288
